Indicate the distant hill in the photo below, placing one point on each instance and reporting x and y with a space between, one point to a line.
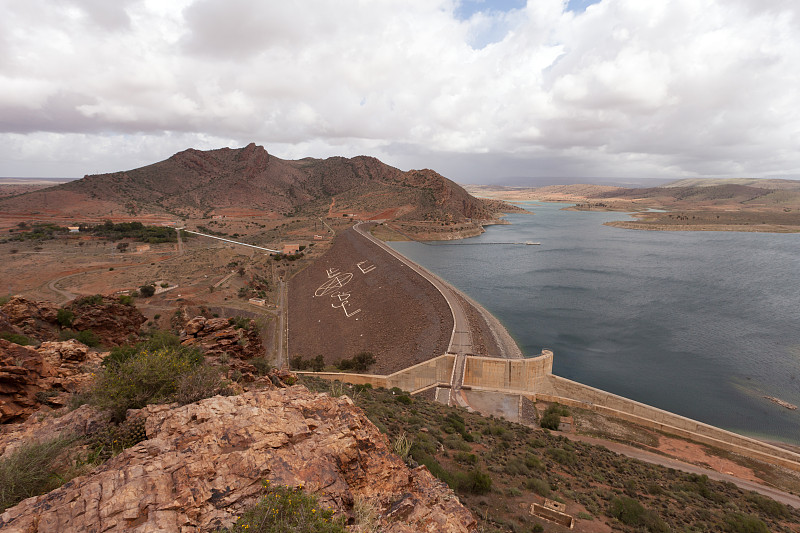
199 183
772 184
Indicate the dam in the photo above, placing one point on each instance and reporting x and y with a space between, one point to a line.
504 383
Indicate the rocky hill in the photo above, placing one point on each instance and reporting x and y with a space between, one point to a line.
197 463
196 183
202 465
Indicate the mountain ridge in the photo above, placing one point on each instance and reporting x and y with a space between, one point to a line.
198 183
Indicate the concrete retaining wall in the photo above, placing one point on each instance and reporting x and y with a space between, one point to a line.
497 386
575 394
414 378
528 375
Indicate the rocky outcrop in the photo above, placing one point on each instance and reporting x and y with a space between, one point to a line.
112 322
217 336
47 374
204 463
21 370
83 421
33 319
6 326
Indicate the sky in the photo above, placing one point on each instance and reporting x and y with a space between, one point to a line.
481 91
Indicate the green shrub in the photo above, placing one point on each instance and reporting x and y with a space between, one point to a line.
742 523
284 509
239 322
405 399
551 418
34 468
632 513
551 421
539 486
475 482
150 376
768 506
360 363
65 317
126 299
95 299
699 484
516 467
16 338
262 365
565 457
87 337
533 462
424 458
466 458
147 290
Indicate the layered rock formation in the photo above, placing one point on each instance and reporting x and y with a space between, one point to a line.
204 463
33 319
111 321
47 374
217 336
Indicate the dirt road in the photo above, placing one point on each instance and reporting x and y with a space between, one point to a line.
654 458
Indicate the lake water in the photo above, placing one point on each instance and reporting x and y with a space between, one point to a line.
703 324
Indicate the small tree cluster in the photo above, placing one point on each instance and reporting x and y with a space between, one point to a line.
360 363
552 416
315 365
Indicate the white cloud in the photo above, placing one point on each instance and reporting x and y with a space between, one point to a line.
680 88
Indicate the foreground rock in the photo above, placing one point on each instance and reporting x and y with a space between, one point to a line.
204 463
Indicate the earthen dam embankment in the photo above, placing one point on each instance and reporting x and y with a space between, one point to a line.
503 384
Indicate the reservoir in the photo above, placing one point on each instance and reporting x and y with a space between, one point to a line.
702 324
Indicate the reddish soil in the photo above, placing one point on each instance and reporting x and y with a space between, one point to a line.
393 313
694 453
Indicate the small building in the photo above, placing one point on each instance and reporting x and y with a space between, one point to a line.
553 511
291 249
74 229
258 301
318 237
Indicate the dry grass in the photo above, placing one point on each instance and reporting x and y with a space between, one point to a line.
35 468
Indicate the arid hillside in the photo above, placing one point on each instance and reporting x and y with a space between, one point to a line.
196 183
709 204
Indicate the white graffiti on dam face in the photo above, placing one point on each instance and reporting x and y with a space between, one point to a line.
336 281
333 284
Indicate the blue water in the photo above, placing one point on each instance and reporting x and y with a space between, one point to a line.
703 324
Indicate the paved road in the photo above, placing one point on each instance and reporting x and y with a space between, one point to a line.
654 458
281 327
461 337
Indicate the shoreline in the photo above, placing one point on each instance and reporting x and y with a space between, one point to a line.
634 208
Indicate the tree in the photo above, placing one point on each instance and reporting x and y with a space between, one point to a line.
64 317
147 290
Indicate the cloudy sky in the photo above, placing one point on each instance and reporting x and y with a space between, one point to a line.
479 90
